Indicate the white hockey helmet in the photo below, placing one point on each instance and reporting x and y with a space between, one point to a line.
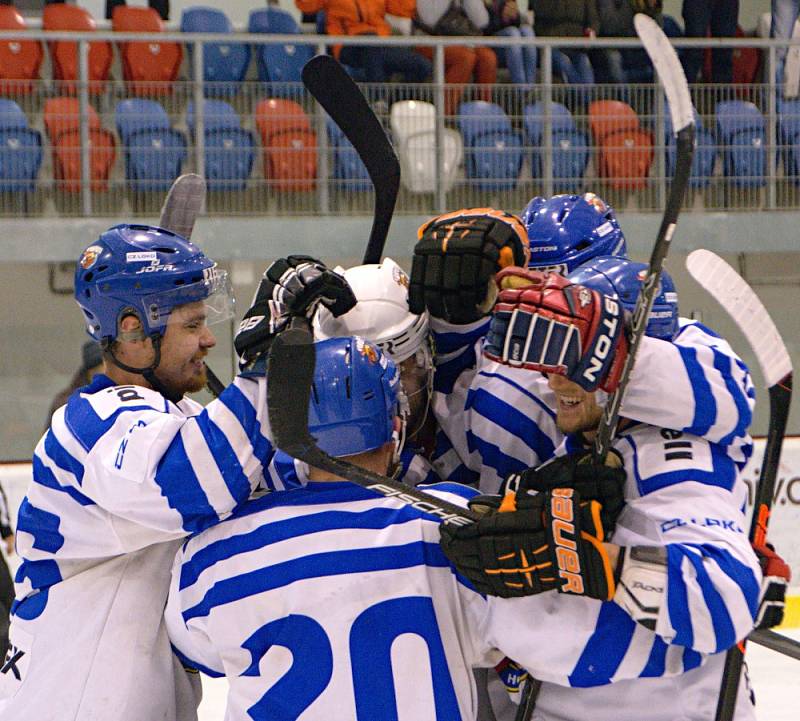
381 313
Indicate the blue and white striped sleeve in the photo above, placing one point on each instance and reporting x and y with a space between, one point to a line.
163 470
696 384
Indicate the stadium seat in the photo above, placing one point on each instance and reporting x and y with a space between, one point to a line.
217 115
289 143
746 62
493 150
278 64
64 54
62 123
413 124
705 152
20 60
570 146
154 151
224 64
625 151
20 150
788 138
348 169
741 133
148 68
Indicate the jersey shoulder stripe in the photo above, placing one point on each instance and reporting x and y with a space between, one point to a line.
43 476
705 408
61 458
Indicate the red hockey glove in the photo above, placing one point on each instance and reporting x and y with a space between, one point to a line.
777 575
551 325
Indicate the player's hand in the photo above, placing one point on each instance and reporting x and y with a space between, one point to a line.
544 322
551 541
456 257
777 575
291 286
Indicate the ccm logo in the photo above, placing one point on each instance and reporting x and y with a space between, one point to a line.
603 345
563 529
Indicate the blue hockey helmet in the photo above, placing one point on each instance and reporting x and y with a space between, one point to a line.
622 278
146 271
567 230
354 396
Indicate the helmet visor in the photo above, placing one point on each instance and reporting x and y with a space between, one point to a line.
214 290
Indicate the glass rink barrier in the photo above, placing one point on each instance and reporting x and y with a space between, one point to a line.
99 123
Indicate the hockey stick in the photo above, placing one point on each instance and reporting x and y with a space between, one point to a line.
776 642
290 374
728 288
340 97
181 207
670 73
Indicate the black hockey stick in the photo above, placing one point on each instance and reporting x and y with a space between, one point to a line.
181 207
670 73
733 293
340 97
775 642
290 373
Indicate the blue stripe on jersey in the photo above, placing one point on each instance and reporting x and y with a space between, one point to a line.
318 565
448 372
42 575
45 477
283 466
524 391
678 598
723 364
42 525
493 457
657 661
722 475
691 659
190 663
179 485
459 473
225 457
448 342
276 531
457 489
605 649
739 572
59 455
243 409
705 405
86 425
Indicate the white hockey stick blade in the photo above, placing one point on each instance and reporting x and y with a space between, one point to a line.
734 294
183 204
669 69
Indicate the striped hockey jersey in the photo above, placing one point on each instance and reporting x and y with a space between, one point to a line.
496 420
118 479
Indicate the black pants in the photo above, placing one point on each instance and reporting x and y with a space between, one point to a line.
720 16
6 598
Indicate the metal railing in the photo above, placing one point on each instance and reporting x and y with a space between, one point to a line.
259 158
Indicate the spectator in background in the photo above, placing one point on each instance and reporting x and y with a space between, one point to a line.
368 17
568 18
624 65
461 62
720 17
91 365
6 584
505 21
784 16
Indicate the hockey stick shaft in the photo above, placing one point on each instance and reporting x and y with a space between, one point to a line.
340 97
733 293
290 373
670 72
775 642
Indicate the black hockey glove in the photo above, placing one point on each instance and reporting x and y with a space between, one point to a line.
456 258
552 541
777 575
291 286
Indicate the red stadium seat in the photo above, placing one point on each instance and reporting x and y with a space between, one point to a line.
20 60
148 68
62 123
624 150
290 145
64 54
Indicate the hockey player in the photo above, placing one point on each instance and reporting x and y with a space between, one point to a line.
127 469
633 627
329 601
498 419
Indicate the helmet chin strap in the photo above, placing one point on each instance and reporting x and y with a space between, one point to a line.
148 372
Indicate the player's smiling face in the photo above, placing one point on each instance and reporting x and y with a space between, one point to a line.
576 409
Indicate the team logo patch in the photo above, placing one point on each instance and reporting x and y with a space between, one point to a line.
598 203
399 276
90 256
368 351
584 297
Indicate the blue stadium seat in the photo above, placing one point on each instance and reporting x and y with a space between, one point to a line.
705 152
741 133
20 150
788 137
229 156
154 151
217 115
224 64
492 149
278 64
347 166
570 145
